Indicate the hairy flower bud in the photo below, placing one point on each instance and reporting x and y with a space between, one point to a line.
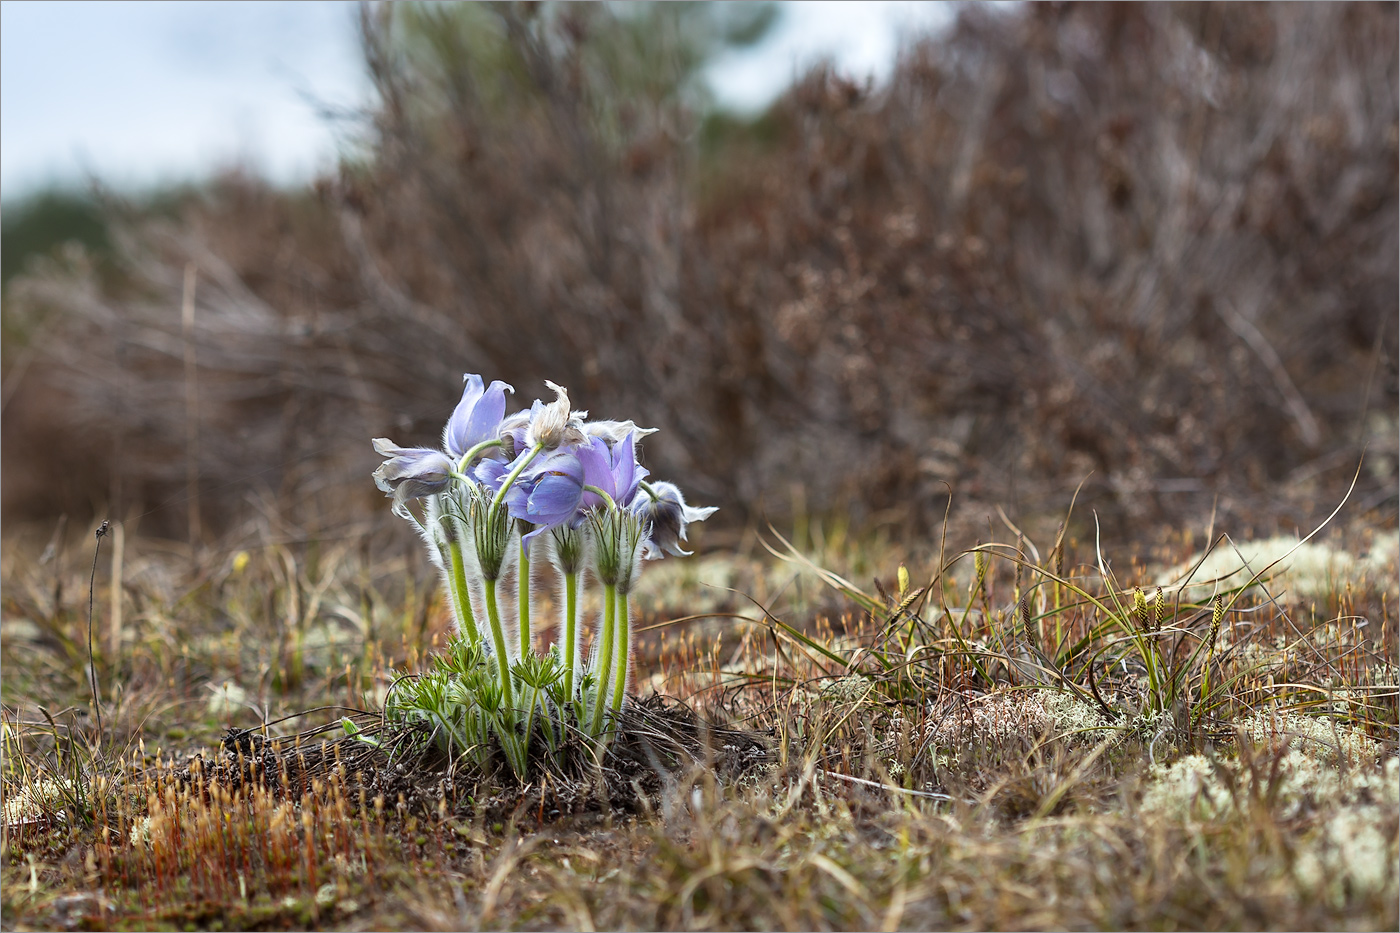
568 548
491 531
617 538
664 516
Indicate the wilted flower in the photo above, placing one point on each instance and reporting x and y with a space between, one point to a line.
477 416
665 514
410 472
554 425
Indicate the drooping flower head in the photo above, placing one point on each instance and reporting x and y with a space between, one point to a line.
477 416
665 514
410 472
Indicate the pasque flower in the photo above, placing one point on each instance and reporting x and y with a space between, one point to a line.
665 514
559 488
548 493
415 472
611 468
477 417
543 469
410 472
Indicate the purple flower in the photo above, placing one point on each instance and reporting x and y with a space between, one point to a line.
490 473
665 514
410 472
477 416
612 468
548 493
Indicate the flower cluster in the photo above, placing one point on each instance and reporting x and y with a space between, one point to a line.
502 486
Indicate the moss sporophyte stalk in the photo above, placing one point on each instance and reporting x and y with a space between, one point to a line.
499 483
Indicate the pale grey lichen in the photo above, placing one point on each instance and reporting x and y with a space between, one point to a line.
1319 738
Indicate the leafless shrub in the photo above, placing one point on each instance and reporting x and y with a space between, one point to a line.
1154 242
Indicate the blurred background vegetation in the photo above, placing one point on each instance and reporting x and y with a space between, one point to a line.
1150 245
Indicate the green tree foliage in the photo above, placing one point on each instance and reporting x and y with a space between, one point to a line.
43 222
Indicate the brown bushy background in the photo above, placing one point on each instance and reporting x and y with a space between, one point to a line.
1152 243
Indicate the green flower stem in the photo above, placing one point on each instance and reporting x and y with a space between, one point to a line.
605 655
498 636
546 720
612 506
461 596
523 597
570 630
530 719
514 475
622 647
472 454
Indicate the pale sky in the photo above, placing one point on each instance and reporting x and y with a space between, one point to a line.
145 92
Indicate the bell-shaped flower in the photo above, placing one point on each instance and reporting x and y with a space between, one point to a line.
477 416
612 469
664 513
410 472
554 425
548 492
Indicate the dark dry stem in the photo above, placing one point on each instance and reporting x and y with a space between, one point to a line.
92 660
